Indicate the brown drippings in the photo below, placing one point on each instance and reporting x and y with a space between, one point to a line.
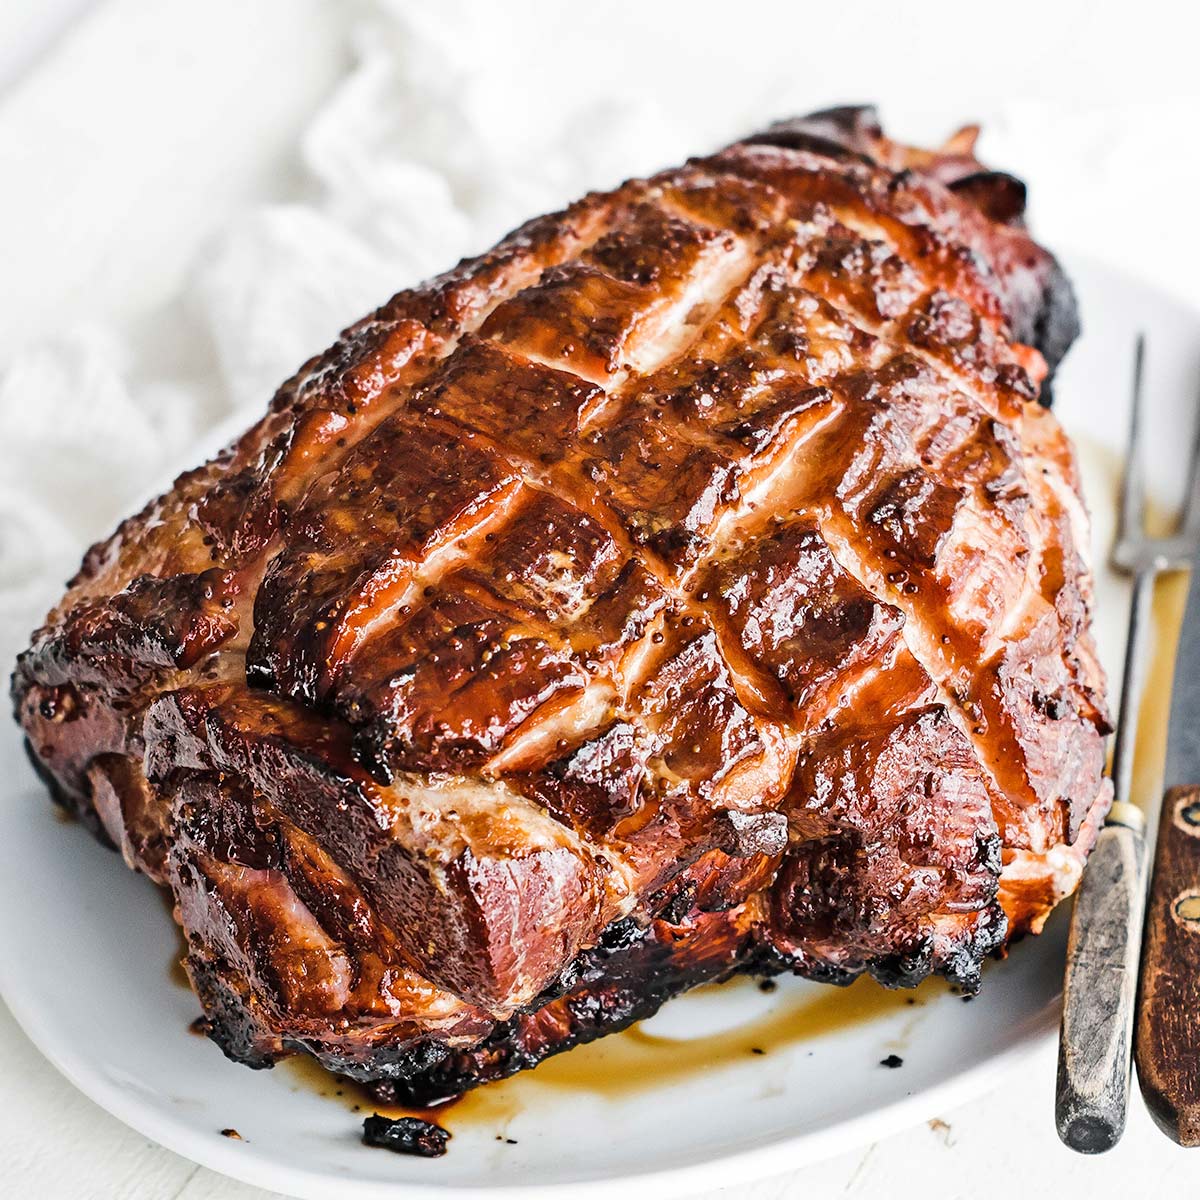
1150 749
637 1059
176 972
937 1125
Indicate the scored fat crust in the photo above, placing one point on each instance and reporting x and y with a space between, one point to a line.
692 583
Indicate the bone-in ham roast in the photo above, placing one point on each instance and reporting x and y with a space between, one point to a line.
693 584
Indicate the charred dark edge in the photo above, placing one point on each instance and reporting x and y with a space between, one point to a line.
406 1135
904 969
73 806
998 195
1053 326
607 1001
846 131
503 1054
625 980
228 1020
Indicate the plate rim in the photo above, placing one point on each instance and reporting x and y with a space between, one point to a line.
230 1158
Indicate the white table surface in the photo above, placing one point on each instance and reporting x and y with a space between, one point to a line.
1095 106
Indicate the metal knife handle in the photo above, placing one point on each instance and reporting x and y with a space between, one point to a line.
1099 986
1168 1016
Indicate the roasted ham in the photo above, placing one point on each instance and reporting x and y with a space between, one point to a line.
695 583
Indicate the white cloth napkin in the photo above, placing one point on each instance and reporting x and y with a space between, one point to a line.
411 164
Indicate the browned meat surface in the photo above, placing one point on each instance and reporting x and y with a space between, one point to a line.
692 584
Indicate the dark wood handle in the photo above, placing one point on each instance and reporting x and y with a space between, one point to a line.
1098 993
1168 1017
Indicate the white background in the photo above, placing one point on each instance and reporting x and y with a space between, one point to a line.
133 132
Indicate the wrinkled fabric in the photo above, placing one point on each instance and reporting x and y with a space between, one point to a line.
411 164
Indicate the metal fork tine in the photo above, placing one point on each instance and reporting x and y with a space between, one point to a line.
1132 514
1132 529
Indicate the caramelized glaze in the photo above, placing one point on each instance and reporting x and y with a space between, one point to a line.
693 584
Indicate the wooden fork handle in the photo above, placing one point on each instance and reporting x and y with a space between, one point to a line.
1099 985
1167 1049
